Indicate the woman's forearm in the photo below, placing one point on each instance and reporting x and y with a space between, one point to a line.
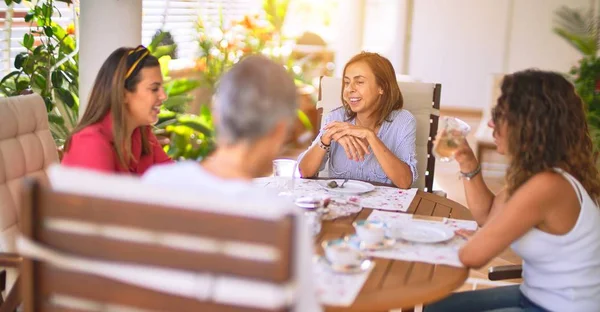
479 198
397 171
311 161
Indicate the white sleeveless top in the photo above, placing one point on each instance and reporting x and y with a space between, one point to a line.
562 272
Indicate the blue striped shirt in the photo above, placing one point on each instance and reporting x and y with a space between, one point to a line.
398 134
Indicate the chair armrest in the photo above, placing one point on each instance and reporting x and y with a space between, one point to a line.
505 272
11 260
13 299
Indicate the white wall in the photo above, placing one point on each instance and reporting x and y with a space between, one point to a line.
462 43
105 26
385 30
533 44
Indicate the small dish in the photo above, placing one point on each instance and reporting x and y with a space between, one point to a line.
364 266
422 232
350 187
355 242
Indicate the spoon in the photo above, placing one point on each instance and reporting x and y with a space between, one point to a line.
345 180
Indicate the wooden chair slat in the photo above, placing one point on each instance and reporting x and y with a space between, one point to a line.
157 218
100 248
54 281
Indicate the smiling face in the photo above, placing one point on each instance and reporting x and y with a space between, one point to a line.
143 104
360 89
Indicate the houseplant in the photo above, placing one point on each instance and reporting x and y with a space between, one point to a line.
581 29
48 67
222 45
185 136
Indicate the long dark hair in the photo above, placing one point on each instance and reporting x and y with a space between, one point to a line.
547 128
120 72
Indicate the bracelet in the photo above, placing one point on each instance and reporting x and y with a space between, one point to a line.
323 145
470 175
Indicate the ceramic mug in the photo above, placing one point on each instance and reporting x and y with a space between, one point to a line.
339 252
370 232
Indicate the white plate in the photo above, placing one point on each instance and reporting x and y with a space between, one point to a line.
422 232
351 187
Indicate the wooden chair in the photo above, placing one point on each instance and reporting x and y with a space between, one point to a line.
26 150
420 98
68 266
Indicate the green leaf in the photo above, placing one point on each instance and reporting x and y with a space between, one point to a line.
28 41
156 41
181 86
164 65
20 59
10 75
65 96
304 120
8 2
178 103
48 31
163 50
57 79
39 81
29 16
21 86
195 124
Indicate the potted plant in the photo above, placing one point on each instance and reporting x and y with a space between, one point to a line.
581 29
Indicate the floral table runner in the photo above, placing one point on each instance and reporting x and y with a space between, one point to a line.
438 253
383 197
335 289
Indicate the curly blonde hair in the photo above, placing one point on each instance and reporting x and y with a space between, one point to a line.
547 128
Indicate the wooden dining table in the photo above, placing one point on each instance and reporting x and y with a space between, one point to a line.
395 284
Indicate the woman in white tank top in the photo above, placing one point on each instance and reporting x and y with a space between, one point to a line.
548 211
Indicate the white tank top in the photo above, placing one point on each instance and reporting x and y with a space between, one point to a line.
562 272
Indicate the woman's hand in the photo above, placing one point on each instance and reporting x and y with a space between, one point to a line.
339 129
465 157
464 233
355 148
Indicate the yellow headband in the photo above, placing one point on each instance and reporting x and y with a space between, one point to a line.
135 64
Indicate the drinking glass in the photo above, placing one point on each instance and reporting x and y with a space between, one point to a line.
284 171
451 135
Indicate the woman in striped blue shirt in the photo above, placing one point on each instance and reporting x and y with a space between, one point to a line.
370 137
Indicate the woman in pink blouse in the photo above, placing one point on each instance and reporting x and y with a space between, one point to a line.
114 134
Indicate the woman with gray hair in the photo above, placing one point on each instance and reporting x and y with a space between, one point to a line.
255 107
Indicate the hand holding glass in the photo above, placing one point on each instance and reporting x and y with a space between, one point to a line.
453 132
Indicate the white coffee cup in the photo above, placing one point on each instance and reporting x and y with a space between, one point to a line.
339 252
370 232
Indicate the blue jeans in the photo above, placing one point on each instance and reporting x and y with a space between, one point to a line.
499 299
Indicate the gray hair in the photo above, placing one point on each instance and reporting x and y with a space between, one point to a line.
251 98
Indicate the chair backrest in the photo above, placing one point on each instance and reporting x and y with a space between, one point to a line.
26 149
92 251
420 98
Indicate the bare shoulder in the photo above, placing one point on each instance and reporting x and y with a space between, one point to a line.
547 191
547 182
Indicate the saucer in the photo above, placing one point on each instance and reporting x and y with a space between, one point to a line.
364 266
355 241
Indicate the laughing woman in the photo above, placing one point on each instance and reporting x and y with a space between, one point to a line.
114 134
370 137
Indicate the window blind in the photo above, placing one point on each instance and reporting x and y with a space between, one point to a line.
13 27
180 18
